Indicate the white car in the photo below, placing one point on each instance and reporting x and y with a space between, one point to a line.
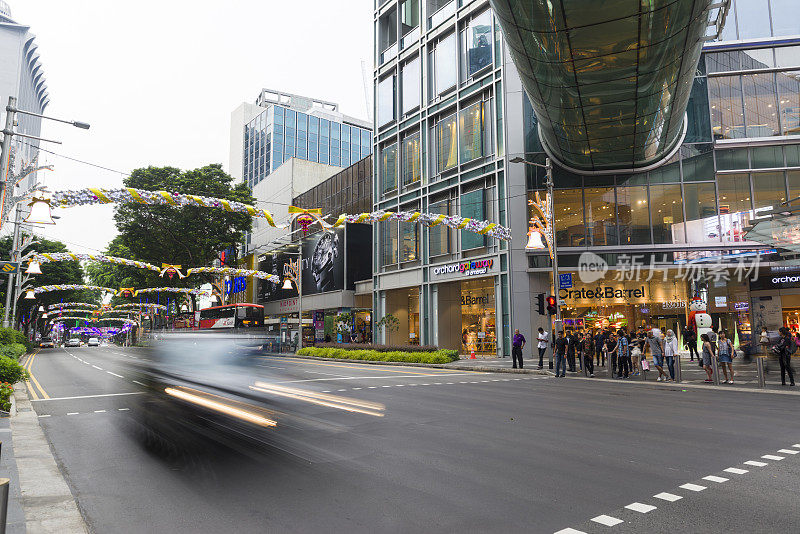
73 342
93 342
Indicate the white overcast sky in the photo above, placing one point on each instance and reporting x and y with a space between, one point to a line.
157 81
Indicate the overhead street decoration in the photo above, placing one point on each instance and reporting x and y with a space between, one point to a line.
68 287
102 258
73 305
235 272
183 290
140 305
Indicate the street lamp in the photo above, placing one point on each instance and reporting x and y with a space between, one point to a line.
548 167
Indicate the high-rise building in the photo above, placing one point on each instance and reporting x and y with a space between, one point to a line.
451 113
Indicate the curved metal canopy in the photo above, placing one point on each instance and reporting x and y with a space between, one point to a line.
609 81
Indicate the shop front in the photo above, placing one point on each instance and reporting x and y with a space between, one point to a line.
775 299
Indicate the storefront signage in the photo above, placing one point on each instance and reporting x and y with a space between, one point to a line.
237 285
600 293
721 302
741 306
469 300
673 305
288 305
467 268
565 281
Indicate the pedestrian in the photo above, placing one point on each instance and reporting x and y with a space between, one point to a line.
637 346
726 356
517 344
708 353
690 340
560 348
599 346
623 352
671 352
588 354
542 346
579 348
712 337
571 342
785 347
656 346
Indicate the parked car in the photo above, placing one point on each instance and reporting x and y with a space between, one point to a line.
46 342
73 342
93 342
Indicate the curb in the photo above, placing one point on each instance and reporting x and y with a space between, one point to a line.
417 364
683 385
45 496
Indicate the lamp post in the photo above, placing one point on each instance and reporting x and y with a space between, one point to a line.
548 167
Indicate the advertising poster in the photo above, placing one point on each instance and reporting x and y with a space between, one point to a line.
323 262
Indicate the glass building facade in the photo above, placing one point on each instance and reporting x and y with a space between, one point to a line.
279 133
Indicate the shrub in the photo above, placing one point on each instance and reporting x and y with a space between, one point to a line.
379 348
9 336
13 350
6 390
439 356
11 371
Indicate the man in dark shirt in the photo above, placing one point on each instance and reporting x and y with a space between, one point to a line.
561 351
572 341
516 348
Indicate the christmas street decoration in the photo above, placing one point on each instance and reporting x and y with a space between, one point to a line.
73 305
235 272
67 287
102 258
183 290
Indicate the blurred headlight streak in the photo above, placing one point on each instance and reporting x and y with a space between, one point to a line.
322 399
207 401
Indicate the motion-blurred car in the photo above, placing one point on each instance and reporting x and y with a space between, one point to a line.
93 342
46 343
73 342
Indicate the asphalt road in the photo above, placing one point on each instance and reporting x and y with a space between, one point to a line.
456 451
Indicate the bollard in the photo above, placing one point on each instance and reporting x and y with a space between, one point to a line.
715 369
762 382
678 377
4 483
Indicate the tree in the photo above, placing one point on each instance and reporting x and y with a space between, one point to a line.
187 235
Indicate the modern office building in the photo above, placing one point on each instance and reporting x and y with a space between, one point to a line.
22 76
636 180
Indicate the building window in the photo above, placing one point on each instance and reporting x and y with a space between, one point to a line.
411 160
702 223
569 217
445 65
760 110
785 17
753 16
727 113
769 189
666 211
601 217
409 240
410 82
387 29
473 207
389 168
386 91
789 101
476 48
389 245
409 16
446 144
633 215
471 132
439 236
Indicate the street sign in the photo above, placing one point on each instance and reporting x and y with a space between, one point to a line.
565 280
9 267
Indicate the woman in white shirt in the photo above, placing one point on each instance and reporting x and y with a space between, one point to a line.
671 352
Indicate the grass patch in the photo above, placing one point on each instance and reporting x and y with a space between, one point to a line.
439 356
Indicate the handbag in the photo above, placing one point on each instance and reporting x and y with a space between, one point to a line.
645 365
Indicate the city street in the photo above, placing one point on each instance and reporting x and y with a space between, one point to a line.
456 451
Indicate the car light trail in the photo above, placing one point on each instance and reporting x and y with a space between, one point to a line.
202 399
322 399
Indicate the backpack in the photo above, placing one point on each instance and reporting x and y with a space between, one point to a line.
792 348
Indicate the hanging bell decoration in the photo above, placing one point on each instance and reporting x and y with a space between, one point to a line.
535 241
29 294
40 212
287 283
33 268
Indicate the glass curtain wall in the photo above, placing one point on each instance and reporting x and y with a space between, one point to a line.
412 170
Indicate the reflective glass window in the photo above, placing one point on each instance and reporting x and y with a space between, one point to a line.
792 153
699 166
568 208
756 58
389 168
633 214
386 101
769 189
278 114
753 17
766 157
785 17
734 193
439 235
793 178
477 46
760 106
472 207
731 159
601 217
666 212
387 29
787 56
727 113
669 173
389 244
409 240
445 64
789 101
409 16
471 132
702 223
411 85
446 145
699 125
411 159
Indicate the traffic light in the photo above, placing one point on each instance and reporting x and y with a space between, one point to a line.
540 303
552 305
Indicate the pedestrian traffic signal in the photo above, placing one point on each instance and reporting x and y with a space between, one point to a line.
552 305
540 303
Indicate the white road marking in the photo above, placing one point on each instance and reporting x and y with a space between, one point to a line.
570 531
99 411
115 374
85 396
714 478
356 388
341 390
137 382
671 497
97 367
692 487
607 520
773 457
449 383
43 416
87 363
755 463
641 508
797 445
382 387
123 409
736 470
366 377
788 451
327 391
399 385
72 413
372 387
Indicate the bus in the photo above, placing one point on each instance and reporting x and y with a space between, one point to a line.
232 317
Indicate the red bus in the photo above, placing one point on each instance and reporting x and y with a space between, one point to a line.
232 317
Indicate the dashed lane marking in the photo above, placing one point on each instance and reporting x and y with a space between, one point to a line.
123 409
570 531
115 374
692 487
86 396
340 377
607 520
736 470
797 445
755 463
640 507
137 382
788 451
99 411
97 367
670 497
714 478
72 413
773 457
44 416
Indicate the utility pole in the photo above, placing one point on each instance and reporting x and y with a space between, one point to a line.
8 132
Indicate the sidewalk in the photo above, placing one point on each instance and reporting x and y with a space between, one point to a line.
15 520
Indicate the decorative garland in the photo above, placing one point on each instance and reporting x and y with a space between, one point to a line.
74 310
73 305
81 197
92 319
45 289
140 305
102 258
184 290
235 272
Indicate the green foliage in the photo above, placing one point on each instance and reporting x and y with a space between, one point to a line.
11 371
13 351
9 336
6 390
441 356
188 236
389 322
